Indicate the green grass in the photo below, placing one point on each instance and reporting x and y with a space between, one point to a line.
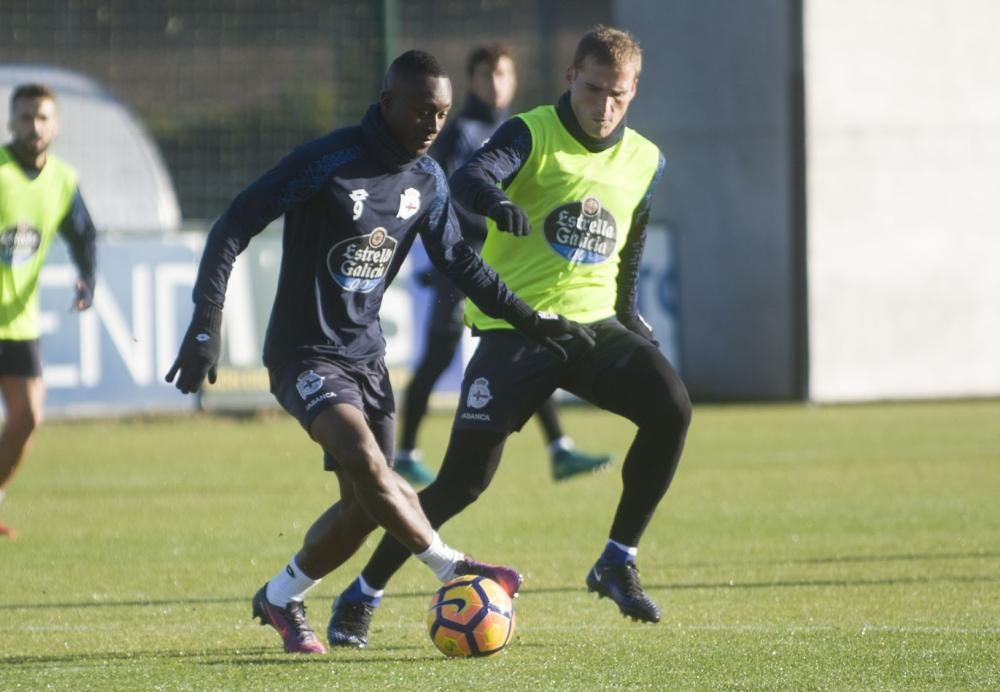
799 548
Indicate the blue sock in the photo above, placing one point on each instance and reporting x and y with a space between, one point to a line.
616 553
359 590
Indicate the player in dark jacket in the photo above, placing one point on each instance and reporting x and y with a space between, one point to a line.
353 203
492 81
567 190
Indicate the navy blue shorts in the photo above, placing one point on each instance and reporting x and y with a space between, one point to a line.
510 376
307 387
20 358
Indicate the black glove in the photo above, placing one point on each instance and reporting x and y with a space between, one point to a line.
199 352
510 217
636 323
563 337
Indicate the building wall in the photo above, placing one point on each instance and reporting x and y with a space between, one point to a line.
716 95
903 112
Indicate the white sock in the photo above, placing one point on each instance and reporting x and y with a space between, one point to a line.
562 444
440 558
290 584
3 494
368 590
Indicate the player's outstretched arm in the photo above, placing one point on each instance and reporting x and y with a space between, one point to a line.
295 178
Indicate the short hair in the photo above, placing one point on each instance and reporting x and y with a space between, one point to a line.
489 53
609 46
414 64
31 91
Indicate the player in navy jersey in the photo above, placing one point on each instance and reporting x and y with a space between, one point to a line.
353 203
567 189
492 81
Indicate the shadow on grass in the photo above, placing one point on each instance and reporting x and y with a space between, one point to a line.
732 584
847 559
799 583
253 656
99 659
385 655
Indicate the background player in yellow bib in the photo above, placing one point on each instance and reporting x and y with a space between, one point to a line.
39 198
566 190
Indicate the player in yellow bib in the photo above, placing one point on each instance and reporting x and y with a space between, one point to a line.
566 190
39 198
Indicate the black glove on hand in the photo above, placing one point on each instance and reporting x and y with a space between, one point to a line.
637 324
510 217
563 337
199 352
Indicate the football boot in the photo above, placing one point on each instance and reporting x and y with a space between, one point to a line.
290 622
620 583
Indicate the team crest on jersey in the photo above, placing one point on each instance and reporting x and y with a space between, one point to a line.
19 243
479 393
409 203
308 383
582 232
360 263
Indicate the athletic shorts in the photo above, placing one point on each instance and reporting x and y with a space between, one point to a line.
510 376
20 358
307 387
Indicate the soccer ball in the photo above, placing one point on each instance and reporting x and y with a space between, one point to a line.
471 616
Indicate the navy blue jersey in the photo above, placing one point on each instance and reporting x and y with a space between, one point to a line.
353 203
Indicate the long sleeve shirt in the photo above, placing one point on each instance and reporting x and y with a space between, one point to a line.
353 203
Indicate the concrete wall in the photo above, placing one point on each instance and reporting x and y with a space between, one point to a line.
903 109
715 94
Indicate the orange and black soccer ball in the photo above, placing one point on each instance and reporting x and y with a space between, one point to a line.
471 616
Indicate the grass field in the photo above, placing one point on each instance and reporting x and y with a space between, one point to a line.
799 548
